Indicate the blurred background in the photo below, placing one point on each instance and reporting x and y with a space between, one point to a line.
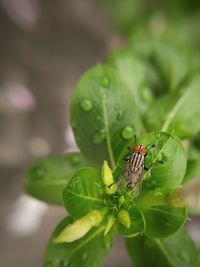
45 47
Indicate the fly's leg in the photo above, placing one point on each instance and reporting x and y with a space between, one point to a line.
127 156
118 181
135 139
154 163
149 148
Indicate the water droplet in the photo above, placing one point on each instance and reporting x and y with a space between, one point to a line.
116 106
172 158
148 185
77 181
63 263
99 136
38 172
157 135
157 193
146 95
86 105
105 81
78 138
75 160
73 124
184 256
120 115
49 264
98 185
98 118
107 246
85 254
95 264
127 132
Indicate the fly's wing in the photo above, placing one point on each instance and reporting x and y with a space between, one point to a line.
137 188
135 180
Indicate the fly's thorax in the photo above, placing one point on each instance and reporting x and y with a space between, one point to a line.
136 161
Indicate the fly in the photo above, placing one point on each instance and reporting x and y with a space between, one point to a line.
134 169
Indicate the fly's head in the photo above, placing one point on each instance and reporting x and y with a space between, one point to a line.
140 149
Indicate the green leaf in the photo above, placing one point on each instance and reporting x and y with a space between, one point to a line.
172 64
83 193
166 162
163 221
137 224
46 178
168 150
104 115
178 113
90 250
134 72
176 251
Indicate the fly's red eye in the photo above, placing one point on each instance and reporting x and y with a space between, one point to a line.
136 148
144 150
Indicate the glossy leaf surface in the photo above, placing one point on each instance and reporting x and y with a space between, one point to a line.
176 251
83 193
163 221
166 162
90 250
178 113
46 178
137 224
104 115
134 72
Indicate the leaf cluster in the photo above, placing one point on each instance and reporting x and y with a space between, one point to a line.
149 90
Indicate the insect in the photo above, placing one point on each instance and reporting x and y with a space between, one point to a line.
134 168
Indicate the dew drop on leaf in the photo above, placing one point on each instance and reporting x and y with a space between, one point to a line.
99 136
120 115
86 105
95 264
73 123
146 95
157 193
184 256
172 158
98 185
157 135
85 254
77 180
127 132
49 264
107 245
75 160
105 81
116 106
148 185
38 172
98 118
